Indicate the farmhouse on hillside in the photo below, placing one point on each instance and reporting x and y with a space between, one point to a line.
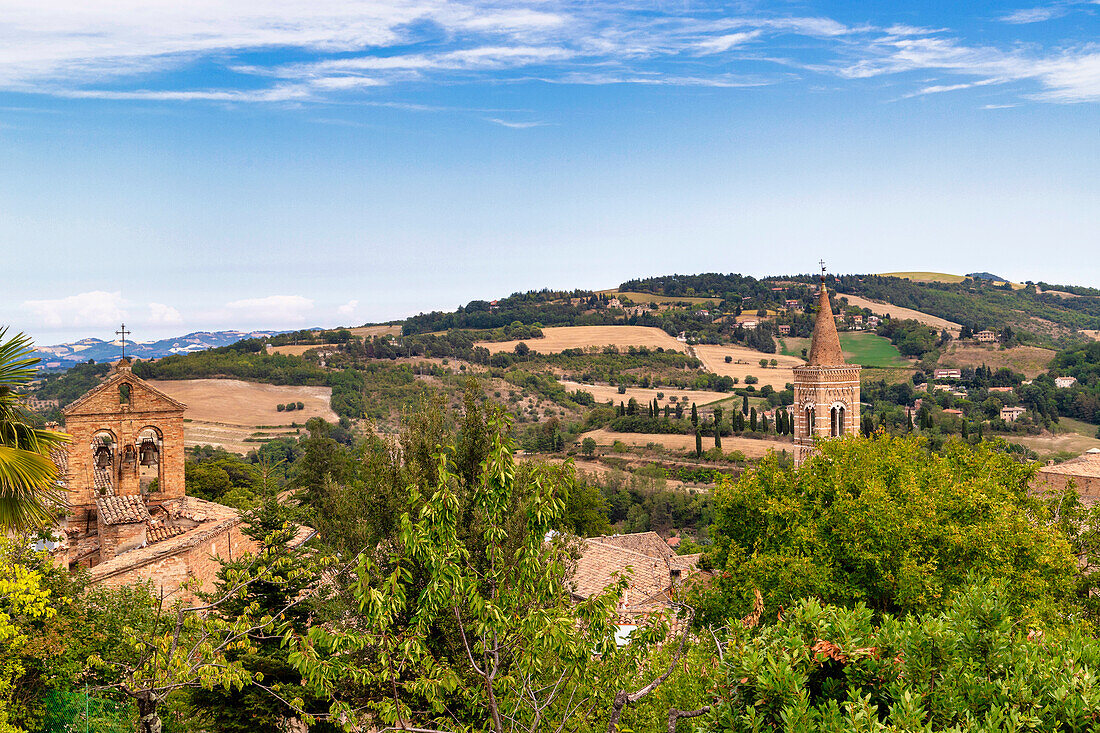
129 517
1081 473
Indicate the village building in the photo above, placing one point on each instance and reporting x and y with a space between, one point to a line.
826 388
1003 390
793 304
947 374
873 320
985 337
129 518
1081 473
1064 382
653 571
784 329
1012 414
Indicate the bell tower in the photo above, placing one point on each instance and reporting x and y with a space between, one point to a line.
826 388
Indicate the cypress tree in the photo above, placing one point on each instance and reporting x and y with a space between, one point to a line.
752 420
694 415
698 443
679 410
763 423
744 404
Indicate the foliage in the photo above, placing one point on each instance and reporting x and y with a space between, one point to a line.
887 523
22 599
972 667
29 495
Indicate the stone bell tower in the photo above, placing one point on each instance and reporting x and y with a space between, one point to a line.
826 389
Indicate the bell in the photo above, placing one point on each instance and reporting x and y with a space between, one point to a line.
102 457
148 453
128 456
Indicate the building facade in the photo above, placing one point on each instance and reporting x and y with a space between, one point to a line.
826 388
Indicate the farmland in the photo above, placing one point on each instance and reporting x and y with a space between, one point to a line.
865 349
894 311
662 299
362 331
745 362
604 393
560 338
229 412
297 349
926 277
1031 361
750 447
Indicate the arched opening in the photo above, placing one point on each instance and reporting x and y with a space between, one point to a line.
150 449
832 423
104 453
840 420
809 421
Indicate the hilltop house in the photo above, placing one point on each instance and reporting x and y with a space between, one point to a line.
1064 382
947 374
985 337
1012 414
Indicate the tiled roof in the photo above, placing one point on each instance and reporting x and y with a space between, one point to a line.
122 509
163 532
1087 465
60 458
825 349
652 561
101 480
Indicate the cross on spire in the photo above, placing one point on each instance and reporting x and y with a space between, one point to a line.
123 333
822 263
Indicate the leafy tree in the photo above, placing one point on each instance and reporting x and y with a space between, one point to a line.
22 597
28 489
888 523
588 446
526 657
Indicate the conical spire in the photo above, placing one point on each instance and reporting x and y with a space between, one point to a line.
825 349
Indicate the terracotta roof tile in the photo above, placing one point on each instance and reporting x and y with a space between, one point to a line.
651 582
161 533
1086 465
101 480
122 509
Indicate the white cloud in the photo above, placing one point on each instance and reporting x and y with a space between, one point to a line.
96 308
721 44
274 309
348 308
1034 15
163 315
514 125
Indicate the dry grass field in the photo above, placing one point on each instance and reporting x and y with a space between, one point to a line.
1029 360
233 402
605 392
933 277
750 447
559 338
296 349
640 298
1047 444
746 362
376 331
895 311
1094 335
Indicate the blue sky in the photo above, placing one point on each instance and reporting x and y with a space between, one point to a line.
209 165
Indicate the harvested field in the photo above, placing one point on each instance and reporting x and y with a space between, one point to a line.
882 308
601 471
605 392
233 438
1029 360
247 404
1094 335
297 349
1047 444
642 298
750 447
931 277
746 362
559 338
376 331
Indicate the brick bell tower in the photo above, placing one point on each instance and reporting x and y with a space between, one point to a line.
826 389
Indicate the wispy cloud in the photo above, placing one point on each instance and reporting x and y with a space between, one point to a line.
513 124
97 309
129 49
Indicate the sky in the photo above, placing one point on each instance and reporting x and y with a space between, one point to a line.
208 165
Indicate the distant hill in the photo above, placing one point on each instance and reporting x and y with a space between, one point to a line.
63 356
986 276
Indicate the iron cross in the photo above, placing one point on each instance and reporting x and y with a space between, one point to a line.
822 263
123 333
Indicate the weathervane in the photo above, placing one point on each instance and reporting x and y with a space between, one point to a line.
123 333
822 263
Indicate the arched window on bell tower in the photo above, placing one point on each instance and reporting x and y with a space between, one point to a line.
809 421
836 421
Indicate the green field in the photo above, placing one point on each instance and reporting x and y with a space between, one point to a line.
865 349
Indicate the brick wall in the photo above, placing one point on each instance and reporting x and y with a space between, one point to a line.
115 539
1088 487
101 410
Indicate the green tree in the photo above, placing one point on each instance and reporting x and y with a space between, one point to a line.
744 404
29 496
698 443
752 420
588 446
888 523
694 415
